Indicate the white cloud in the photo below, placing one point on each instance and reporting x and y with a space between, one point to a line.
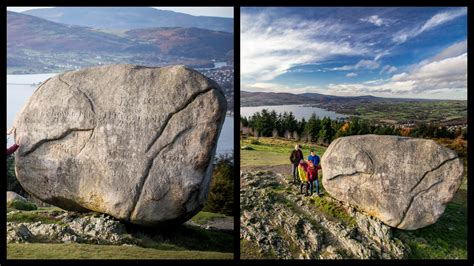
436 20
374 20
456 49
274 87
362 64
447 76
352 74
388 69
272 46
443 79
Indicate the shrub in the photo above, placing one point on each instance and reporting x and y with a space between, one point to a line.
221 192
22 205
12 182
254 142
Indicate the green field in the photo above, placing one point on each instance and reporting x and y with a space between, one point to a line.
423 111
446 239
272 151
88 251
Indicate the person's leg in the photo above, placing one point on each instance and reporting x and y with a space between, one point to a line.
316 183
295 172
311 188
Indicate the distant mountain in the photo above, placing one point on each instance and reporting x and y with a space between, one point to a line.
26 32
127 18
186 42
273 98
36 43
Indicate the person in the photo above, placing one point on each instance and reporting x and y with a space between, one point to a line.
312 175
303 175
15 146
313 157
295 158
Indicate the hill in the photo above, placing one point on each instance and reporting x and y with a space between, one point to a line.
42 46
130 18
276 98
186 42
26 32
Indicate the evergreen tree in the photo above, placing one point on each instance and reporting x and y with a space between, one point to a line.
221 192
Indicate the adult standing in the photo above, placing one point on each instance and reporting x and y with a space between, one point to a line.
295 158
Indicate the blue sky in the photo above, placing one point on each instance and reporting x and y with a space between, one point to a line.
227 12
409 52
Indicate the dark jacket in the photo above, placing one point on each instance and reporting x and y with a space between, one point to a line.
296 156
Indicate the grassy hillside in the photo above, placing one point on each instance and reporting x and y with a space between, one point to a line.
446 239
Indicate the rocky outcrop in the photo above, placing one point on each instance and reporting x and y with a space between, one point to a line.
70 228
404 182
133 142
287 225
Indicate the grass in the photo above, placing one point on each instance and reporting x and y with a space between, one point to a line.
272 151
42 216
249 251
87 251
446 239
332 210
22 205
204 217
182 238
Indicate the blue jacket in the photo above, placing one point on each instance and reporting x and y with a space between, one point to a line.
314 159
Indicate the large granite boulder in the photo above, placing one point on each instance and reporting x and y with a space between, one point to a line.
133 142
404 182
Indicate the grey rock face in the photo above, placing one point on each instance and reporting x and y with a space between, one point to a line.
133 142
404 182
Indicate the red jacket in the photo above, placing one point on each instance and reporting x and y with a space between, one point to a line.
12 149
313 173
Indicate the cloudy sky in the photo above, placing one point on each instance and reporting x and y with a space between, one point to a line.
388 52
227 12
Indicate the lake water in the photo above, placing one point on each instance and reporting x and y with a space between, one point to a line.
19 89
299 111
216 65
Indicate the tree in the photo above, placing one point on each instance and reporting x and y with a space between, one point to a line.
364 127
354 126
326 133
244 121
312 127
221 192
12 181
